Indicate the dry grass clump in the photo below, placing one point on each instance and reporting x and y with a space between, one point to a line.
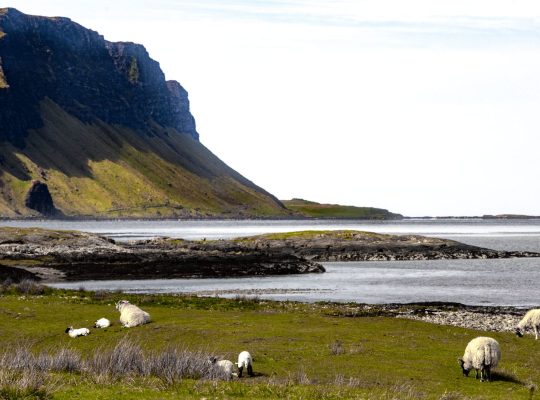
337 348
26 384
125 361
25 286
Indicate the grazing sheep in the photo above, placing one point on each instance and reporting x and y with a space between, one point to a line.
530 320
102 323
482 353
131 315
245 361
77 332
224 365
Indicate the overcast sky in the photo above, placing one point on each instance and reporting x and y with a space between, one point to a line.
421 107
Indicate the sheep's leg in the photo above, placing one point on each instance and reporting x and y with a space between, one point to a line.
484 373
250 370
535 331
488 370
475 373
240 371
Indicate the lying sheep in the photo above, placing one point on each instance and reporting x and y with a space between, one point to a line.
245 361
530 320
77 332
131 315
482 353
225 366
102 323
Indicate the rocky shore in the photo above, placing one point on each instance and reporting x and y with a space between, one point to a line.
53 256
480 318
70 255
359 246
504 321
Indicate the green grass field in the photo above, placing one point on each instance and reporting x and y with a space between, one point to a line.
301 351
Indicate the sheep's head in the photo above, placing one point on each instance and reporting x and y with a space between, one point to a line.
121 304
519 332
212 360
464 369
68 329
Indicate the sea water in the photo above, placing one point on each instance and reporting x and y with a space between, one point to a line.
482 282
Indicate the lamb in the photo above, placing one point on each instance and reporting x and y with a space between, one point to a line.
530 320
225 366
131 315
102 323
77 332
482 353
245 361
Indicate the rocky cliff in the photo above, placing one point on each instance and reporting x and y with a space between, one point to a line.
89 77
98 123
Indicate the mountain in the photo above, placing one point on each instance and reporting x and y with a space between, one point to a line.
311 209
90 127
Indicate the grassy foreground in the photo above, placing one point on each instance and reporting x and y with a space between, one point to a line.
301 351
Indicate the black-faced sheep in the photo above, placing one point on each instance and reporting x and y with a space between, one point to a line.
245 361
530 320
482 354
131 315
77 332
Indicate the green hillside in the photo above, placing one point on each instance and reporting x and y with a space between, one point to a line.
103 170
316 210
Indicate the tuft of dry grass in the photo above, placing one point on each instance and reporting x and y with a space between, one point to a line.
25 286
125 361
337 348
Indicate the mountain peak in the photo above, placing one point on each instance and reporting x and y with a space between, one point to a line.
91 78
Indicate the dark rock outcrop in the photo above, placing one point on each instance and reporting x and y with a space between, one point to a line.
86 75
322 246
38 198
70 255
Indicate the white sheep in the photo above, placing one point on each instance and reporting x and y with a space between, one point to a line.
245 361
77 332
530 320
225 366
131 315
482 353
102 323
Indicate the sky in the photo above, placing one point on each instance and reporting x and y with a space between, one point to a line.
422 107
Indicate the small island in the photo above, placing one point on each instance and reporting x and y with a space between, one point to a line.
54 256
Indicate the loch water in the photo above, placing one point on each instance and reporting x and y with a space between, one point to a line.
512 282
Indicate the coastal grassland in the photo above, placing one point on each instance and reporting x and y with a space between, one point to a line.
317 210
301 351
314 234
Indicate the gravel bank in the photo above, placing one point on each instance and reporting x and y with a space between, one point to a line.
473 320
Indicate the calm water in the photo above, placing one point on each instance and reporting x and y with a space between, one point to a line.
488 282
482 282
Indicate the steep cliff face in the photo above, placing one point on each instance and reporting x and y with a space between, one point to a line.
98 123
84 74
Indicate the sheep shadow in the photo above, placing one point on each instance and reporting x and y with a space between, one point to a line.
505 377
255 375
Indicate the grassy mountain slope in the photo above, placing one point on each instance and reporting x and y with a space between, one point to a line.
95 127
316 210
104 170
